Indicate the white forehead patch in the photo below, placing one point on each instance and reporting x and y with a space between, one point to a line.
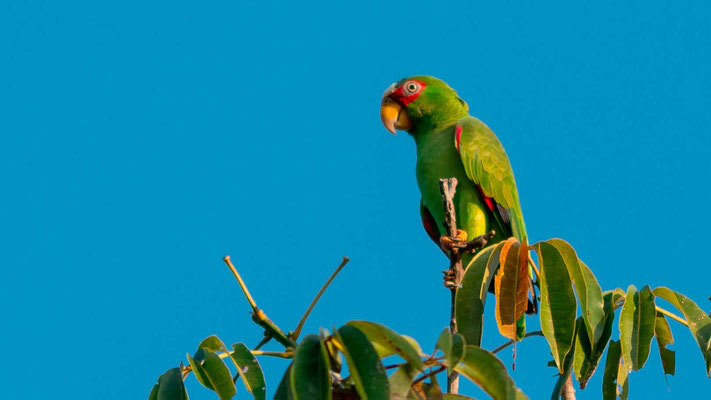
389 89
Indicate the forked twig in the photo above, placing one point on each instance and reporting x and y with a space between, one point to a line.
295 334
271 330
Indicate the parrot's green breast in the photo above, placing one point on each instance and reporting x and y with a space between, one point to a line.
437 158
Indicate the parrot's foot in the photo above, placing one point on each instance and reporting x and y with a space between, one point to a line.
448 243
450 279
460 241
478 242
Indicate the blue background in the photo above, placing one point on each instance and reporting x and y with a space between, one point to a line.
141 141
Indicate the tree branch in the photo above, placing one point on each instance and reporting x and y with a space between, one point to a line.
448 188
295 334
271 330
568 392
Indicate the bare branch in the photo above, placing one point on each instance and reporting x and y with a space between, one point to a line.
295 334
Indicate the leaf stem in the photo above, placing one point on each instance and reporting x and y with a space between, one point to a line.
510 342
251 301
427 375
285 354
672 316
535 269
295 334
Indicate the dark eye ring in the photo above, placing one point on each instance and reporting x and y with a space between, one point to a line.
411 87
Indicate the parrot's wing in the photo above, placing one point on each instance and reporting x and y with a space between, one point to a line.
487 165
429 223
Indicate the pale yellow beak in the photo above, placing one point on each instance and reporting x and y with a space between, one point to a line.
393 116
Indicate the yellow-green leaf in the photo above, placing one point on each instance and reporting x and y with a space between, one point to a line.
665 338
637 326
489 373
453 347
400 381
387 339
699 322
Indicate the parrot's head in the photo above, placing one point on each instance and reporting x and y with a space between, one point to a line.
420 102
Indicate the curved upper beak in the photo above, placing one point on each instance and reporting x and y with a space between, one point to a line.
393 115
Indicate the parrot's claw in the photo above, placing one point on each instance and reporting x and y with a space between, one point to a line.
449 279
448 243
478 242
460 241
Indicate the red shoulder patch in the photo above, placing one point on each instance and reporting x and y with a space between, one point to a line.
488 200
458 136
430 225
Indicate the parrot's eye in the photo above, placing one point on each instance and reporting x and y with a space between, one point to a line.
411 87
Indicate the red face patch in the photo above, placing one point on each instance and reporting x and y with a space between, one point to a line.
408 92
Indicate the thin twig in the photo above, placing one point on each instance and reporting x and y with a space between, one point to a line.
258 316
285 354
659 309
510 342
251 301
427 375
534 268
295 334
672 316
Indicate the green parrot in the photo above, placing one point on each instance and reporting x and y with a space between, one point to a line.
451 143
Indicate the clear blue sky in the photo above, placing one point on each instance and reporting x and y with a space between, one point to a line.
141 141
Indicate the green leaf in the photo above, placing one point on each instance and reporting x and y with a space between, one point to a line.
622 381
637 326
219 375
699 322
609 377
567 365
153 395
249 369
284 391
309 373
169 387
664 338
453 347
512 286
450 396
583 364
471 296
413 343
586 287
558 305
391 342
587 356
199 372
365 367
212 343
210 370
401 380
489 373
